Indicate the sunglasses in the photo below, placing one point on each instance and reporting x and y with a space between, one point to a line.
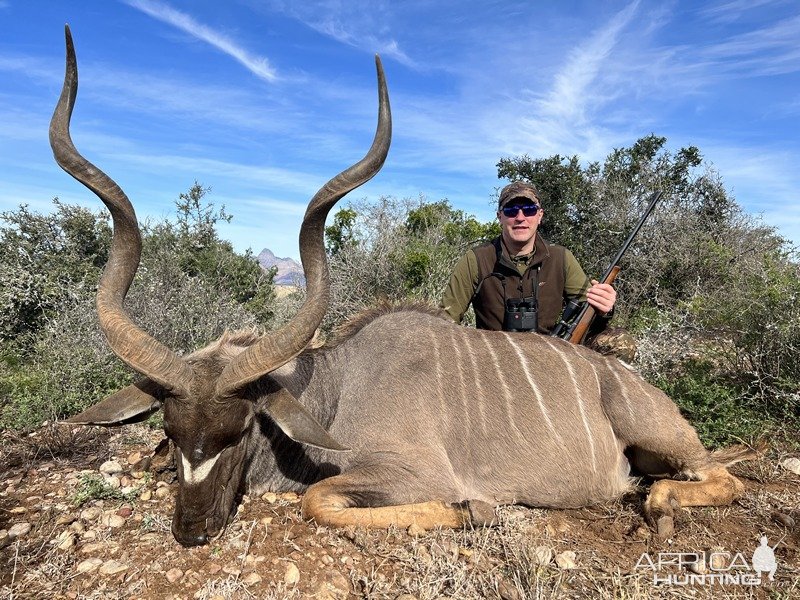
528 210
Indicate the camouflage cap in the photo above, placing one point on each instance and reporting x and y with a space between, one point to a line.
517 189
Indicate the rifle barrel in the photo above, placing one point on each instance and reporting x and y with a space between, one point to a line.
654 198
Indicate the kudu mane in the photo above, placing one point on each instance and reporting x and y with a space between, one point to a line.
361 319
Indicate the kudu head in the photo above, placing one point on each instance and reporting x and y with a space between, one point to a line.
207 396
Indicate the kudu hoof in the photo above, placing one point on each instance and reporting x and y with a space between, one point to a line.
665 526
481 514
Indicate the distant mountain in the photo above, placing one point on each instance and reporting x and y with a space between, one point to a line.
290 272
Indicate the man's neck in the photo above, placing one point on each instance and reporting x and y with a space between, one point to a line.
515 249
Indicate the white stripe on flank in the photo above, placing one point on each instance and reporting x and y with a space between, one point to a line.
454 344
499 375
197 475
625 397
476 377
439 373
580 400
524 363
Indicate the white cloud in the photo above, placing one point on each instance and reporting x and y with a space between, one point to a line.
363 25
258 65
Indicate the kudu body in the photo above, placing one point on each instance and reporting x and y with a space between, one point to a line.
441 422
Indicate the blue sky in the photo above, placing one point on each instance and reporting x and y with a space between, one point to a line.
263 101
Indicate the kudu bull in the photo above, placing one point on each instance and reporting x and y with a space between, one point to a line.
442 423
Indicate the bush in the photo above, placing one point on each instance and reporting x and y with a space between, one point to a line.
190 287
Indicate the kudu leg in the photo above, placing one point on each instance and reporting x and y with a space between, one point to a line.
340 501
716 487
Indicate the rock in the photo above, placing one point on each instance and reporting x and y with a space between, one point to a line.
134 457
717 558
792 464
783 519
112 567
270 497
110 467
251 579
125 512
541 555
19 530
174 575
698 566
77 527
18 510
91 513
65 519
90 564
291 497
65 541
415 530
93 547
145 495
113 521
266 520
292 574
566 560
113 482
162 492
508 591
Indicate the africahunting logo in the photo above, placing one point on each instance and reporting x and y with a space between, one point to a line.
711 568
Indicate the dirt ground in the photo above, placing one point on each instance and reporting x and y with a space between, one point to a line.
85 513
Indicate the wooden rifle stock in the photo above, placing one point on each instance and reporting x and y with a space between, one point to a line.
587 314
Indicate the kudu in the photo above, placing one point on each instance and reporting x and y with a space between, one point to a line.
442 422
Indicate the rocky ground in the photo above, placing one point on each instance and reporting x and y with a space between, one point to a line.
85 513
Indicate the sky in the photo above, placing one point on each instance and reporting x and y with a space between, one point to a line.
264 101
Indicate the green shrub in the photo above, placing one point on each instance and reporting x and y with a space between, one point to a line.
721 414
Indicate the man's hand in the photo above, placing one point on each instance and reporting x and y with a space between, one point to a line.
601 296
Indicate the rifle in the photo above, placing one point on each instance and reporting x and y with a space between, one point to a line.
577 317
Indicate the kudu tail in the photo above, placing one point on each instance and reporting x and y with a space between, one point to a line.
734 454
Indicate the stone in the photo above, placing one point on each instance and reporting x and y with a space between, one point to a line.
112 567
125 512
110 467
134 457
88 565
251 579
93 547
173 575
792 464
19 530
77 527
113 482
292 574
91 513
270 497
65 519
18 510
566 560
145 495
113 521
415 530
162 492
541 555
291 497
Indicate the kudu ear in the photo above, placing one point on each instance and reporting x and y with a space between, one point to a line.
129 405
299 424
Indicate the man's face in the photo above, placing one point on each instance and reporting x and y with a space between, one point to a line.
519 230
